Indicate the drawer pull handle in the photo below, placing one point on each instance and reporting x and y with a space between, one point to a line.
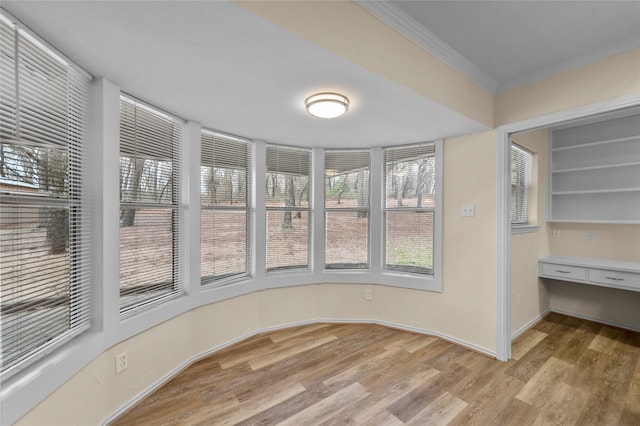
563 272
615 279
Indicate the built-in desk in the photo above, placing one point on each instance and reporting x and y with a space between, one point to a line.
600 272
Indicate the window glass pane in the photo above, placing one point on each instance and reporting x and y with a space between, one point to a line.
146 254
223 247
287 239
44 220
409 240
287 188
225 214
287 178
409 203
223 186
410 183
346 198
35 265
520 180
30 170
145 181
149 164
346 182
347 239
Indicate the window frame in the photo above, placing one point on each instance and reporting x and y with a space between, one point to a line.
212 281
293 209
70 139
436 211
145 302
520 157
336 267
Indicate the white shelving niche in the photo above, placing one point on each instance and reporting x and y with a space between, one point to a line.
595 170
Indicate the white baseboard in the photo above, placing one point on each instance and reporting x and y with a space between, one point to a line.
171 374
594 319
442 336
530 324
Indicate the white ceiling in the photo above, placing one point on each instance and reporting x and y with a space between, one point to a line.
232 70
516 42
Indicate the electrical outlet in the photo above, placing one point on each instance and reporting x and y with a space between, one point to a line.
368 294
556 233
122 361
467 210
520 298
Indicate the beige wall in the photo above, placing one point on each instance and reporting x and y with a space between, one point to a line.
364 39
530 294
464 311
617 242
613 306
609 78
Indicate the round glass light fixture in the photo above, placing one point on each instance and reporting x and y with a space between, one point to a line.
327 105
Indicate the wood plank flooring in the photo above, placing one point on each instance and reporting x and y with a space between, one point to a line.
564 371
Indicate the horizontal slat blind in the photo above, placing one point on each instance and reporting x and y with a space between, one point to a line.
346 203
409 204
44 214
8 91
225 211
520 176
149 206
288 182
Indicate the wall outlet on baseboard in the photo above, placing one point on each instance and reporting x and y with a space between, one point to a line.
122 361
555 233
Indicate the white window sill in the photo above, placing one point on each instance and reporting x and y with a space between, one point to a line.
524 229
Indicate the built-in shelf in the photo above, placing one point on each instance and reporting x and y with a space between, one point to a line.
597 191
595 172
597 143
606 166
598 272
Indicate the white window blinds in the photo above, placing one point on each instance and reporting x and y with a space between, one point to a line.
520 177
288 182
409 206
44 215
346 201
149 206
225 210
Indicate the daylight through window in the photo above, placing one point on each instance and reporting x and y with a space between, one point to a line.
44 216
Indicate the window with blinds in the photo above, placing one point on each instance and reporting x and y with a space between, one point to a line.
409 208
225 210
149 206
346 202
520 177
288 182
44 214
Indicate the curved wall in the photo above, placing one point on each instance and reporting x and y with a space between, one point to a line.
464 312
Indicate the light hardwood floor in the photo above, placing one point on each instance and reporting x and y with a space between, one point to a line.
564 371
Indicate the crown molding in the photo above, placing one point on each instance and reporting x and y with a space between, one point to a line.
571 63
417 33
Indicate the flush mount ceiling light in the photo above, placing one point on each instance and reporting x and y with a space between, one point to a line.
327 105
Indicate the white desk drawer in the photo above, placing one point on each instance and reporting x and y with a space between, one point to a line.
613 278
564 272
